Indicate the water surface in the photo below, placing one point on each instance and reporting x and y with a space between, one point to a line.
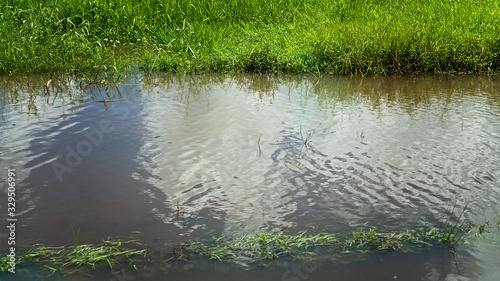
184 157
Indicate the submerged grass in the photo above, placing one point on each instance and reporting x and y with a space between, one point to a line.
339 37
109 254
247 250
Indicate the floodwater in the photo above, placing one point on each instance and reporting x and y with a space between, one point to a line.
166 158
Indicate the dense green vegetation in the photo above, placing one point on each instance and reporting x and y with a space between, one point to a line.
340 36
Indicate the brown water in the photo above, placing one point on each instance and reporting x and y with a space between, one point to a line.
183 157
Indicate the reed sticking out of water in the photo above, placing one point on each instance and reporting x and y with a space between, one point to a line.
76 239
258 144
306 142
453 229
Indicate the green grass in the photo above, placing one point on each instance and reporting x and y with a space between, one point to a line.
247 250
453 228
338 37
110 254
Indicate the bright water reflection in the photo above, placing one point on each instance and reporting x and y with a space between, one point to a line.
196 156
392 152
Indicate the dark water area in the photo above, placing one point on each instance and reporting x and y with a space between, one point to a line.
166 158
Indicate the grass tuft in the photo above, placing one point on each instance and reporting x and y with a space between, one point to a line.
453 229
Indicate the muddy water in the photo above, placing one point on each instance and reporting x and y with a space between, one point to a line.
165 158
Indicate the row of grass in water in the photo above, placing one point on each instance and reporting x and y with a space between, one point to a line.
246 250
338 37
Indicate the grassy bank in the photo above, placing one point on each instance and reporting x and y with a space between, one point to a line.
339 37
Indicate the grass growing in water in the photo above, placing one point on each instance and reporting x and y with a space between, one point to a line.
341 37
109 254
76 239
247 250
453 229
